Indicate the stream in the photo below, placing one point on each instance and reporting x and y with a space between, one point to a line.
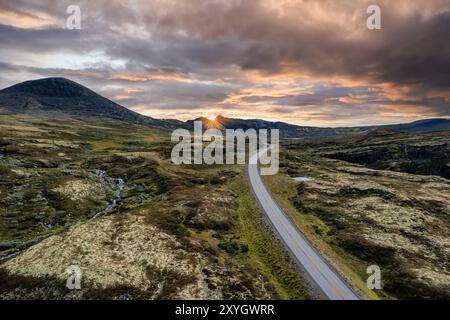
120 184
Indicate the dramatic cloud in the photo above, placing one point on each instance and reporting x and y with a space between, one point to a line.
307 62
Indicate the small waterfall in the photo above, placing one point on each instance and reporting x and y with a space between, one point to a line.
120 185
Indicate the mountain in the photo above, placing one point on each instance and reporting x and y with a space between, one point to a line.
63 96
60 95
286 130
427 125
293 131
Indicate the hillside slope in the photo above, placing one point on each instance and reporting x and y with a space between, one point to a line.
416 153
60 95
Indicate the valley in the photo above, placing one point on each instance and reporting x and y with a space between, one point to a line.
175 231
98 190
358 216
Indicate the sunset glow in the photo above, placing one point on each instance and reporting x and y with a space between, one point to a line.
303 62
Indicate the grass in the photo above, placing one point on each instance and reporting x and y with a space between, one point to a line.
265 250
315 230
45 155
206 210
358 217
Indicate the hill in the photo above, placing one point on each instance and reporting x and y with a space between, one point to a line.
427 125
425 153
60 95
286 130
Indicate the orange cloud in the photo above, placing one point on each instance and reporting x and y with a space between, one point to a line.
27 20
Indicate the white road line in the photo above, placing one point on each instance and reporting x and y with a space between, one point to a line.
329 282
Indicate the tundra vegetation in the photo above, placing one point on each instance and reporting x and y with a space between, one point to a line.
194 231
174 231
380 198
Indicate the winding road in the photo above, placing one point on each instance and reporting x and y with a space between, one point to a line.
326 279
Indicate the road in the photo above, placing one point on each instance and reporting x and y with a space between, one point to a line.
326 279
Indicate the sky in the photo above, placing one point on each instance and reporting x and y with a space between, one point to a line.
303 62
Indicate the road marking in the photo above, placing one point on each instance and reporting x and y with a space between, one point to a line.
270 202
282 223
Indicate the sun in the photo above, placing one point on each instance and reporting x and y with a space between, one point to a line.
213 123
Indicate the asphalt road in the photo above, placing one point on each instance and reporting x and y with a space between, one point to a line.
326 279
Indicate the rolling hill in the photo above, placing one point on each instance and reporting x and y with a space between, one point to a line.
60 96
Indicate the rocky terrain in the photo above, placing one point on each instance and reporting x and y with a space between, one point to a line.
79 187
60 97
169 232
420 153
358 216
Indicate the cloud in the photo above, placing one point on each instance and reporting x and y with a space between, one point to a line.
256 58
